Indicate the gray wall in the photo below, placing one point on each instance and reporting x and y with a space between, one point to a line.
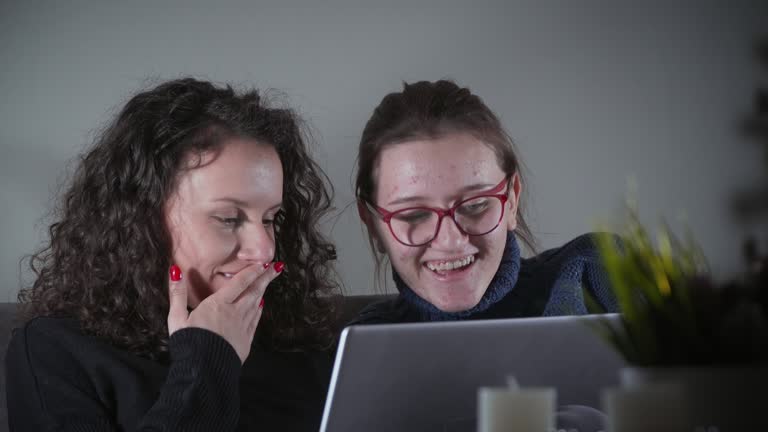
593 92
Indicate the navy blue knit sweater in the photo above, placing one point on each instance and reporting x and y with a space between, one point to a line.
552 283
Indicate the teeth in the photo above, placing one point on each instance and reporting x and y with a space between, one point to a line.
228 275
450 265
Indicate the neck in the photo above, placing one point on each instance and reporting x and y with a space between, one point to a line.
502 283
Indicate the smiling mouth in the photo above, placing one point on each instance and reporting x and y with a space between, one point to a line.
442 267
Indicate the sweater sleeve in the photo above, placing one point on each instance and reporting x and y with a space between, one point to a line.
595 276
50 390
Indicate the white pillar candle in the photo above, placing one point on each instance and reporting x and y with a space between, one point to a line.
504 409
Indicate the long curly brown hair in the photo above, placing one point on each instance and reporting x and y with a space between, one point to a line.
106 264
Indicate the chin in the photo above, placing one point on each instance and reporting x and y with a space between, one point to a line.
458 305
453 308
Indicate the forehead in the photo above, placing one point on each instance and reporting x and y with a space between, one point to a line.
237 166
439 165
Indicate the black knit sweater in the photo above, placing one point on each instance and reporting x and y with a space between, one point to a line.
60 379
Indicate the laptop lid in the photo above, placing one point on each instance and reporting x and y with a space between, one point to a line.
425 376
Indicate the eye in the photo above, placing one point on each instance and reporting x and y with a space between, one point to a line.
412 216
230 222
474 207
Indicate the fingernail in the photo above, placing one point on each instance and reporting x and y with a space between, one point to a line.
266 264
261 303
175 272
279 266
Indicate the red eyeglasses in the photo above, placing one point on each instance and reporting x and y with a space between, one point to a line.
475 216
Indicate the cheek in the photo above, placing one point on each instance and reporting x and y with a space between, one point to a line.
491 246
398 254
406 259
203 248
409 255
216 244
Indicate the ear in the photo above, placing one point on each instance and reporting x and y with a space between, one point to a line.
365 217
512 202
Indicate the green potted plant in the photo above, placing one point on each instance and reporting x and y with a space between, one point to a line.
679 325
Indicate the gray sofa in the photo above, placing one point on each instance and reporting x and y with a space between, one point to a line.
348 307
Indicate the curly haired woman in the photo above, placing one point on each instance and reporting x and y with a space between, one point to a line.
185 285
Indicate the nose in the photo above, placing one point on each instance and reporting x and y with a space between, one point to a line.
256 244
449 236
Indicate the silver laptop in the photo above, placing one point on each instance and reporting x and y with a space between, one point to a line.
425 376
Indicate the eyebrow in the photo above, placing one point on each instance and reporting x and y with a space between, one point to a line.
470 188
241 203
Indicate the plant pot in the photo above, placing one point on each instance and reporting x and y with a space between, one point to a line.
723 399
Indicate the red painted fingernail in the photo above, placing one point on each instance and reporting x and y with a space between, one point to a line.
266 264
175 272
279 266
261 303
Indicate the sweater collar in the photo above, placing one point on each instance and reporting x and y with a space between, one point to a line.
501 284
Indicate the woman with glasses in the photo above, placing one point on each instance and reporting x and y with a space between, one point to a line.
439 190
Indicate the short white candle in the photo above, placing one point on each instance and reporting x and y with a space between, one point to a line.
504 409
